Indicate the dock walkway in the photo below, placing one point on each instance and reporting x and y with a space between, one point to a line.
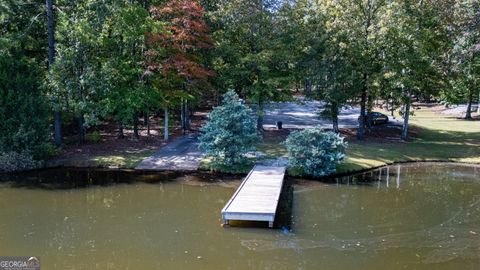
257 197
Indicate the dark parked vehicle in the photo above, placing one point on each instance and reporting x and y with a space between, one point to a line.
376 118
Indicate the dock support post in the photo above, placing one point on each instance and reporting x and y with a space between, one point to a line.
270 224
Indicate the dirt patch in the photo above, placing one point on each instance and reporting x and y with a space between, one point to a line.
110 145
107 143
273 134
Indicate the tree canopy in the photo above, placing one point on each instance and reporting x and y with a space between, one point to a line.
119 60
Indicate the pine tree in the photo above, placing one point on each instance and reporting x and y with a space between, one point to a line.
229 133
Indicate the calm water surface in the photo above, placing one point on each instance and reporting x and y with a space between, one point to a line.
426 217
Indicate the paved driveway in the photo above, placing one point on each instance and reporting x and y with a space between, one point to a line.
182 154
306 114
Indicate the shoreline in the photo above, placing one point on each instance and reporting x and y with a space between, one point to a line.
217 173
436 138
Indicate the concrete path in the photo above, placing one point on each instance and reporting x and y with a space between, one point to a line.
306 114
296 115
460 110
182 154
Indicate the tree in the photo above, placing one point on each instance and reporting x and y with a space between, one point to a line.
229 133
73 77
174 53
57 116
23 108
99 67
360 21
248 59
124 91
415 44
466 54
338 84
329 63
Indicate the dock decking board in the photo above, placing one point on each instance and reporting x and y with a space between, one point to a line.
257 197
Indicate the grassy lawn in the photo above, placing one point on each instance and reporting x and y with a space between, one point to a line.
112 160
125 161
273 148
441 137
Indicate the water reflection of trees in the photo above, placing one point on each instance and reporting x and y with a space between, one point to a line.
431 177
442 184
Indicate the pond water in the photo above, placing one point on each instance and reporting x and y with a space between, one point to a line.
424 216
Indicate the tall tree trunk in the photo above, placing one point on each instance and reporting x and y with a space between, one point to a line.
392 108
120 134
260 115
369 107
187 116
136 136
165 132
146 120
406 115
478 106
469 106
81 120
183 116
334 115
81 129
363 101
363 109
57 115
308 87
50 32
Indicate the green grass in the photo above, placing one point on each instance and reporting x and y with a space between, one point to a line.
206 165
272 148
124 161
129 161
440 137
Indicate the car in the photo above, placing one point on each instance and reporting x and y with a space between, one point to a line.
376 118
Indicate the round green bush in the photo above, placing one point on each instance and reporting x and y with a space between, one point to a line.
315 152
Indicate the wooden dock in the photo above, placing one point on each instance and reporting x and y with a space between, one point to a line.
257 197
